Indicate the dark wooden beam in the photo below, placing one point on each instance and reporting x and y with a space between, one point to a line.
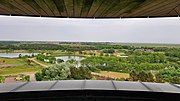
69 7
61 7
156 7
43 6
26 6
86 7
122 8
78 4
161 10
36 7
52 6
102 7
94 7
108 8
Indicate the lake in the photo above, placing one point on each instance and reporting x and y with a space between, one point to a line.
15 55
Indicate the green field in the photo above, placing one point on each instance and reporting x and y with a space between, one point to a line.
17 66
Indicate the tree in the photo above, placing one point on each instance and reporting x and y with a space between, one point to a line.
84 53
29 61
33 55
150 77
101 54
159 78
2 78
40 57
54 72
143 76
85 73
80 52
133 75
175 80
20 55
91 53
60 60
52 59
80 73
168 75
73 61
39 76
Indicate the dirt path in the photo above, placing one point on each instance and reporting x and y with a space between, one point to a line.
33 60
111 75
101 75
32 77
8 65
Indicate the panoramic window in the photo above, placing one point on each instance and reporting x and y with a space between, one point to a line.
44 49
94 50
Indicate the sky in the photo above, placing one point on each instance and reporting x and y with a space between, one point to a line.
133 30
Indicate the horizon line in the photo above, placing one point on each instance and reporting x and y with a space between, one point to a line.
90 41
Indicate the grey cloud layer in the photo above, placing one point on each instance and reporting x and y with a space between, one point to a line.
161 30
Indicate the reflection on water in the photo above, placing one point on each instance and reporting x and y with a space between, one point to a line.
77 58
16 55
65 58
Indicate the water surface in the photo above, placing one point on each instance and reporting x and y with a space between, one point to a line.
15 55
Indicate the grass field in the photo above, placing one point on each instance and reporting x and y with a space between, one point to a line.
11 61
115 74
21 66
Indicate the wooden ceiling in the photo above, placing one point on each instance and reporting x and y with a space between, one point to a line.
91 8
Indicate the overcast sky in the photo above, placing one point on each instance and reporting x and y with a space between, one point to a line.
147 30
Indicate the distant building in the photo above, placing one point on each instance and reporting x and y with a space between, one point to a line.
46 60
118 55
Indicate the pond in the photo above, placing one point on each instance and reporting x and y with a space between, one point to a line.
77 58
15 55
65 58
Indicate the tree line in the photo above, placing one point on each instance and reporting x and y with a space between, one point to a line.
81 47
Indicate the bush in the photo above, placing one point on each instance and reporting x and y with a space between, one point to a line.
80 73
141 76
60 60
2 79
175 80
26 78
54 72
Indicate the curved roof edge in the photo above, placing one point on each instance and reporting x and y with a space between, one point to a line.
89 85
90 17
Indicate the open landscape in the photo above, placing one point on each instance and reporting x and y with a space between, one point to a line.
40 61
